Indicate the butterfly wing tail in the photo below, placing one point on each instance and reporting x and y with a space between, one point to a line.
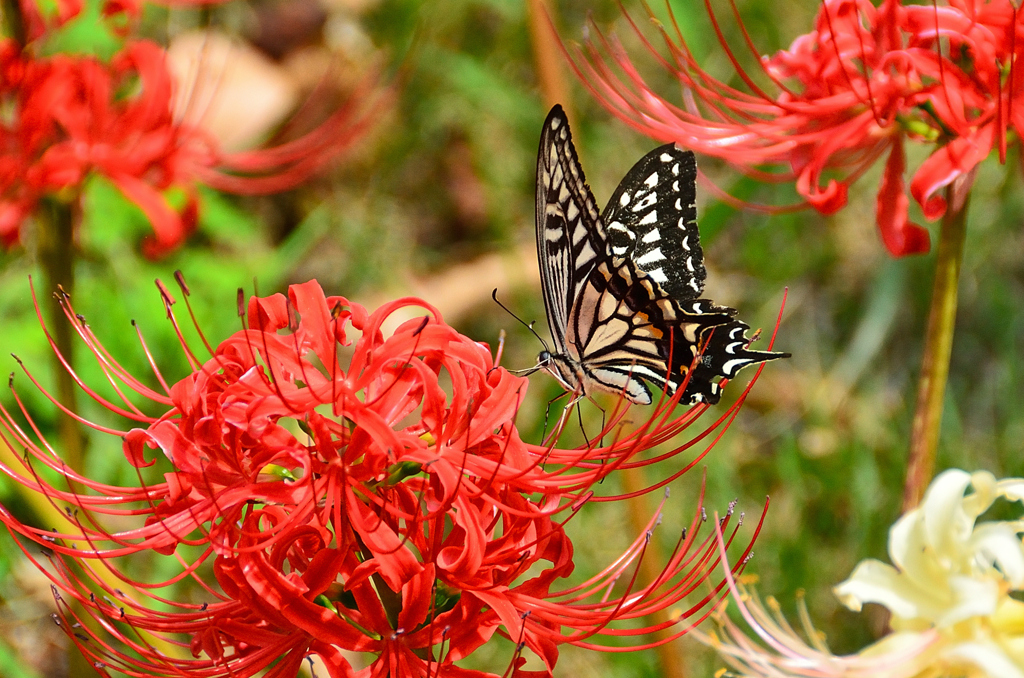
725 352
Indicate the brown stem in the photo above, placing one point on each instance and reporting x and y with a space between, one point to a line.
670 656
931 385
546 54
56 251
14 21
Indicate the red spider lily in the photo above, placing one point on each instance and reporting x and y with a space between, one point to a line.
38 23
861 84
330 487
75 116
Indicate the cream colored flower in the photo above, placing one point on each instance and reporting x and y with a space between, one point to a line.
949 590
955 575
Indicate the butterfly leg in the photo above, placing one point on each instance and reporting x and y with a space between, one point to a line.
604 421
573 404
547 414
579 418
579 415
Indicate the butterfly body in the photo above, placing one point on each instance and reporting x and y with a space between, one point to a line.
622 287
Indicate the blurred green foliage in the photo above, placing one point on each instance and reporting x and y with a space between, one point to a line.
447 177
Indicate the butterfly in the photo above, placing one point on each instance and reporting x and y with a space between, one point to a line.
622 287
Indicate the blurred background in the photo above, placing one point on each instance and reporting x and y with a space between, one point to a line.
437 200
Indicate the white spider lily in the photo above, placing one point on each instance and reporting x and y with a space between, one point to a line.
950 590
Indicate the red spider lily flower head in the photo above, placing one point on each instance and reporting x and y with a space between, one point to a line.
76 116
865 81
37 22
328 487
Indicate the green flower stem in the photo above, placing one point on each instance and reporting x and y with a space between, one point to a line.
56 251
931 385
55 248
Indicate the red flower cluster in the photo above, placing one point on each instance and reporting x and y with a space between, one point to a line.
76 115
71 121
862 83
37 22
329 488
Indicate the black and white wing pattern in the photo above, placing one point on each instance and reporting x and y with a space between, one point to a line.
621 290
651 218
570 239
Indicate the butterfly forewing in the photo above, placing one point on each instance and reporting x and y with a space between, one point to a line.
651 219
569 235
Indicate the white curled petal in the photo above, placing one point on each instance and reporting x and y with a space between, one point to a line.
998 544
913 555
970 598
986 491
987 657
906 539
1012 488
946 524
873 581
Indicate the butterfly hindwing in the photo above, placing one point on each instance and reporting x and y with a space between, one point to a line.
721 343
651 219
631 332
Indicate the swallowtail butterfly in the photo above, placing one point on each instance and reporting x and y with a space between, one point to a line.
622 287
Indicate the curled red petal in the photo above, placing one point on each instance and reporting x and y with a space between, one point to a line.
900 235
942 167
135 444
169 229
829 200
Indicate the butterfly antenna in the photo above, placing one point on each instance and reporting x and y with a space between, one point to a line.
529 326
